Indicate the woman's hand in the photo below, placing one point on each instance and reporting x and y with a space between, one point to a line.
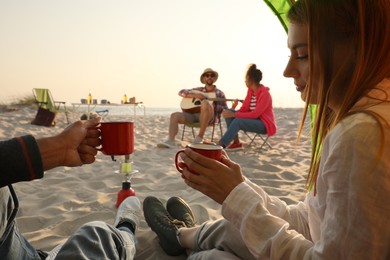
234 103
213 178
227 113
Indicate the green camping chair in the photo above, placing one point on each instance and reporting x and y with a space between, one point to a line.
45 100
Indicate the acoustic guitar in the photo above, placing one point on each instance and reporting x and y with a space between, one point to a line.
192 105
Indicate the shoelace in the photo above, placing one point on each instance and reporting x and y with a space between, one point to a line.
188 220
175 224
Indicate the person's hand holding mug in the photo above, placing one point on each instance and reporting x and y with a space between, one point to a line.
74 146
211 151
215 177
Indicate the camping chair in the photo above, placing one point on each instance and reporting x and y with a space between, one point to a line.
217 121
102 113
45 100
262 138
137 105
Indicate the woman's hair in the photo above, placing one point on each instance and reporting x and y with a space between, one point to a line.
253 74
359 32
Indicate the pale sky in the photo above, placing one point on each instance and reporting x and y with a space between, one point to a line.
149 49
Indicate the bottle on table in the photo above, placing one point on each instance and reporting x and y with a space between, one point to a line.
89 100
125 98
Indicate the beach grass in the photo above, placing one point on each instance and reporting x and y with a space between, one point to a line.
22 101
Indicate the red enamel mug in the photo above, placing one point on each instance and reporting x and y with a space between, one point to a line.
209 150
117 138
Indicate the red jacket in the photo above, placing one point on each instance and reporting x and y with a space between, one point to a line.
263 111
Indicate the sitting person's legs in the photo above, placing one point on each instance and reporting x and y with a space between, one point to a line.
174 121
206 116
213 254
98 240
176 230
12 243
236 141
221 235
245 124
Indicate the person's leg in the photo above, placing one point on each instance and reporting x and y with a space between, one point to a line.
98 240
206 114
228 121
174 121
219 234
178 233
213 254
12 243
214 238
245 124
187 237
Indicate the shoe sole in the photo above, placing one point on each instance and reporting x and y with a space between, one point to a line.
175 204
163 146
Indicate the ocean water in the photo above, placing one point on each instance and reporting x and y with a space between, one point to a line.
161 111
126 110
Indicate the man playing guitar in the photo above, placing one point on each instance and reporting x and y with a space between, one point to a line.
203 111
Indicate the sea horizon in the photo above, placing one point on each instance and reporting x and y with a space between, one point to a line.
118 110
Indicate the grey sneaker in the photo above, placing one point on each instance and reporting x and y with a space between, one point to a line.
129 211
163 225
167 144
180 210
198 140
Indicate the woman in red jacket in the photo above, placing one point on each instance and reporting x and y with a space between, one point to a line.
255 115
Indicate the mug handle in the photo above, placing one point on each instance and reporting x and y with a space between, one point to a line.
100 149
177 161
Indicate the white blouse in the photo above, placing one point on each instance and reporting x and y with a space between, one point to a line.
348 218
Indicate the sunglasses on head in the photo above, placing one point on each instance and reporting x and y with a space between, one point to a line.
209 75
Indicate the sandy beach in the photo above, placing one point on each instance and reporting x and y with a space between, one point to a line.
52 208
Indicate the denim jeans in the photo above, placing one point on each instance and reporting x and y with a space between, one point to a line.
234 125
12 243
98 240
94 240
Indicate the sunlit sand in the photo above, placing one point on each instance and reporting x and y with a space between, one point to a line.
54 207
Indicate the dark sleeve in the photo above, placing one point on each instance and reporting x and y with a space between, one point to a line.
20 160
